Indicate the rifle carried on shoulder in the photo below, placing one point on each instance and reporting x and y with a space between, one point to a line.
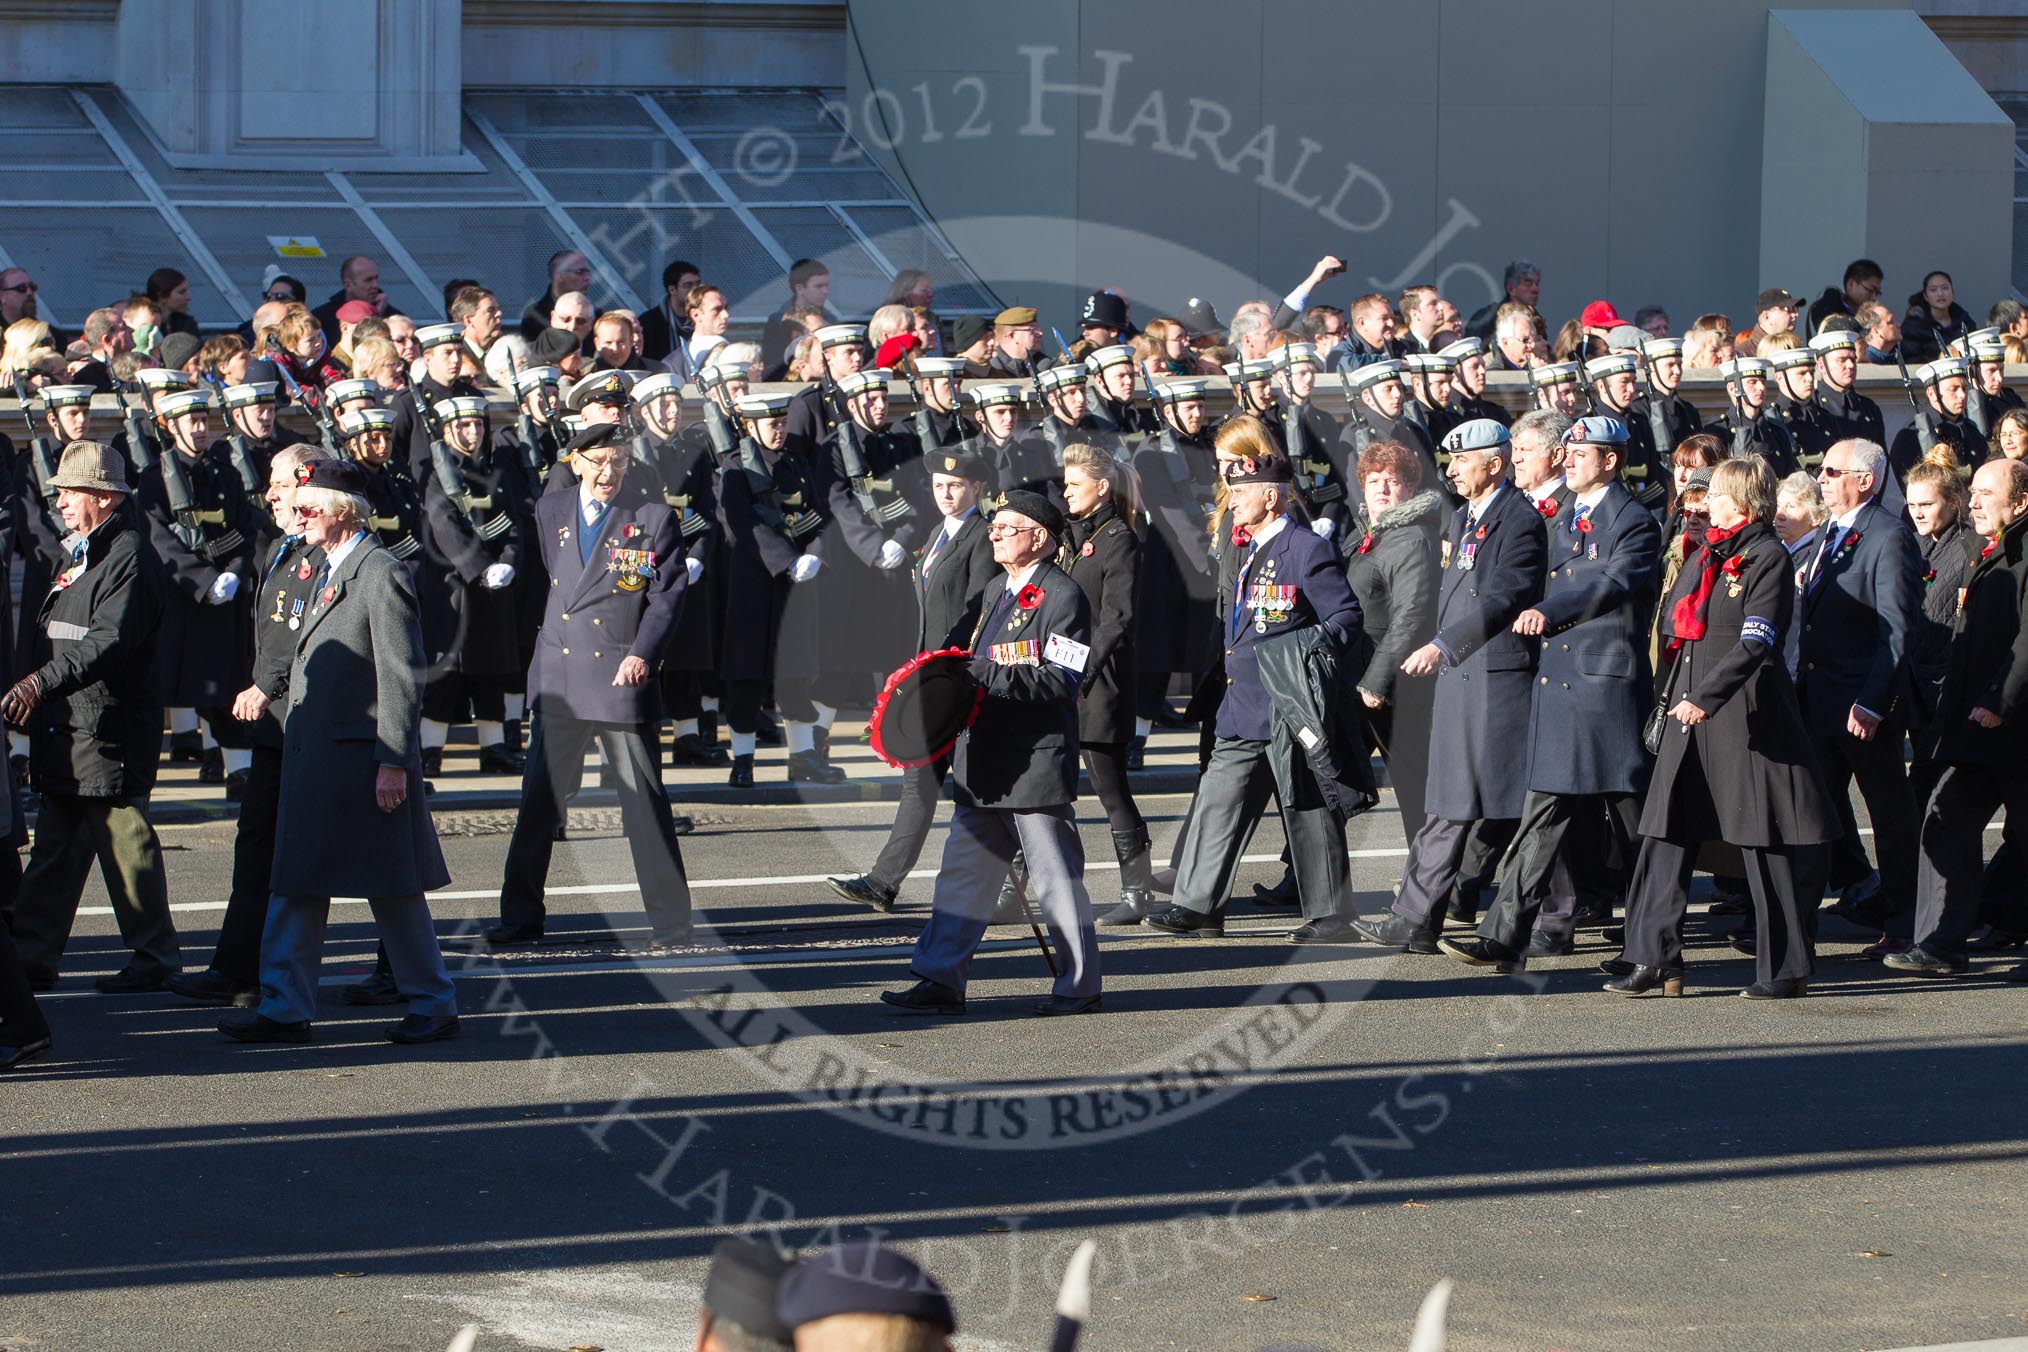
41 450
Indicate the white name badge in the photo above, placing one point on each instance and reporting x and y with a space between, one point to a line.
1066 653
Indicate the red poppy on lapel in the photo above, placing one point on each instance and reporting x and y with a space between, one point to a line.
1028 597
630 530
1547 507
1731 567
1479 534
1087 551
1991 545
303 572
328 595
1584 525
1241 537
1365 543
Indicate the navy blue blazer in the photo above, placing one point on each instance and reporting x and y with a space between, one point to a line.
1294 581
1861 613
625 602
1594 687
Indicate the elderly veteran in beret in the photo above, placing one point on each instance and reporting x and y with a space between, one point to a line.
93 716
351 820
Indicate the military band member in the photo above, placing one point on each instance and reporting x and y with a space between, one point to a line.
1749 425
1015 774
203 530
443 378
939 415
949 578
1311 438
1174 628
688 468
1468 388
1945 390
475 508
877 498
818 407
1110 395
616 593
1615 384
1016 459
772 509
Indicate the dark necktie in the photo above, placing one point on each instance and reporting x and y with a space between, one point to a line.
994 620
930 555
1824 551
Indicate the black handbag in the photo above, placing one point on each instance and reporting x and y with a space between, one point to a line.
1658 723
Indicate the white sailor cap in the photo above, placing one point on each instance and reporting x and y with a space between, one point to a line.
1428 363
1986 345
841 335
1611 364
259 392
1596 430
530 378
1554 373
1376 373
716 375
1654 349
1790 358
601 387
650 387
1056 377
857 383
436 335
1296 354
1000 392
461 406
158 379
1741 367
1831 340
939 366
345 391
773 404
1184 388
67 396
366 420
1478 434
1943 368
1462 349
180 402
1117 354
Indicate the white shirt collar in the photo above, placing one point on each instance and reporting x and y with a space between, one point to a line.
1591 498
954 524
1844 523
334 557
1476 509
1545 492
586 503
1270 530
1016 581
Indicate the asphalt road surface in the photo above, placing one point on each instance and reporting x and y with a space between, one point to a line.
1269 1145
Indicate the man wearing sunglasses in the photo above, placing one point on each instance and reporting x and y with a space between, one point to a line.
17 296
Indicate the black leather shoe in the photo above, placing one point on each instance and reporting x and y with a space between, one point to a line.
1135 905
1614 934
1462 911
1615 966
134 980
433 760
1543 946
1991 940
1137 754
186 748
1648 980
1745 942
1921 962
1068 1004
1184 921
820 738
210 987
235 787
512 936
864 891
511 730
378 989
692 750
14 1054
1729 902
742 773
1481 953
1331 929
498 760
807 767
1283 893
2018 972
212 769
261 1028
420 1028
925 997
1590 913
1394 931
1787 988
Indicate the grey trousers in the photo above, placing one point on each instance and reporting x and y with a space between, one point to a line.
292 950
977 854
1231 796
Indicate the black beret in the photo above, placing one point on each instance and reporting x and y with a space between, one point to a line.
864 1278
743 1284
341 475
1035 507
1266 469
968 330
961 464
261 371
551 346
591 435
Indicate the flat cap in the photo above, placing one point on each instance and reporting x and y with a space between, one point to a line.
743 1286
1776 298
1625 338
1479 434
870 1278
1596 431
1034 506
177 349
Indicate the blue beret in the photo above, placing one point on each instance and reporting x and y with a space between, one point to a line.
743 1287
1480 434
1596 431
863 1278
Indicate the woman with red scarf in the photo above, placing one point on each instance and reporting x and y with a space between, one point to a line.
1734 763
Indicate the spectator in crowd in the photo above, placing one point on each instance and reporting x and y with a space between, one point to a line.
2010 317
401 332
667 322
1881 332
806 359
569 271
911 287
709 319
573 313
1523 284
1372 338
478 310
615 341
106 336
1517 339
809 292
1708 344
17 295
1421 310
1652 320
358 279
972 342
223 360
888 321
2010 434
1934 320
170 290
299 346
1774 312
377 360
1861 286
26 343
928 331
144 318
1017 343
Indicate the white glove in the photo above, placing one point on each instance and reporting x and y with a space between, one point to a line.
695 567
496 576
892 555
224 589
1324 525
805 568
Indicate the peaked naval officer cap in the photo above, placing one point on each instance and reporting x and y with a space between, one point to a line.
246 396
1741 367
184 401
1832 340
986 396
651 387
1184 389
939 366
1612 364
1597 430
345 391
770 405
1480 434
1789 358
1556 373
1462 349
1296 354
533 377
1943 368
1428 363
1056 377
156 379
366 420
841 335
436 335
601 387
859 382
67 396
1656 348
1119 354
461 406
1376 373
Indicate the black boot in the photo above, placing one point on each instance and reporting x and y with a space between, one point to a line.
1137 895
185 748
1009 910
692 750
498 760
212 769
810 767
1137 753
512 728
766 730
742 773
433 760
820 738
707 728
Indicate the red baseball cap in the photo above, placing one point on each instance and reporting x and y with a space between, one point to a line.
352 311
1600 314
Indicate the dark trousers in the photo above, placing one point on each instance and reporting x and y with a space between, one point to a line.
1786 883
921 786
1106 765
555 765
1405 749
1952 876
70 833
1439 859
1229 802
238 955
1896 813
20 1020
744 698
1550 826
1485 846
